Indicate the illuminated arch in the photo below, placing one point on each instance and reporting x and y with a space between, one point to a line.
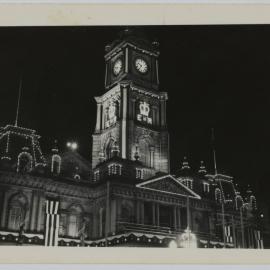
56 164
25 162
108 147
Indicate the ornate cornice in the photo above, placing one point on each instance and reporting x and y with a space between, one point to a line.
52 186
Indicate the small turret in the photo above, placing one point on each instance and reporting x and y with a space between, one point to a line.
202 169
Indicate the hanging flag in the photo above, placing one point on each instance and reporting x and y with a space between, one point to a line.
228 234
258 238
52 223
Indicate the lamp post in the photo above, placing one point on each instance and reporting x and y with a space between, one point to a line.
223 223
242 223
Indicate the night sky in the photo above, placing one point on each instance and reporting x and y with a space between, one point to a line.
215 76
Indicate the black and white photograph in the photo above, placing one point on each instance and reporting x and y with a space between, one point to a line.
135 136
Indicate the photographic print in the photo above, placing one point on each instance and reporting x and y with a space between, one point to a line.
135 136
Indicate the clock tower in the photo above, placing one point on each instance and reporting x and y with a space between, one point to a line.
131 114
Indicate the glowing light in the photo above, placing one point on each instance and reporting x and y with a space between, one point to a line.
188 239
172 244
261 216
72 145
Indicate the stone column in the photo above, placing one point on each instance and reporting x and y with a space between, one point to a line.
152 151
95 223
124 124
40 213
113 216
175 218
34 208
154 213
157 211
126 60
132 109
98 123
142 212
163 113
100 222
4 210
138 220
179 218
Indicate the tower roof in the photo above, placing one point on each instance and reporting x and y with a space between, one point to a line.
135 37
202 169
15 140
185 169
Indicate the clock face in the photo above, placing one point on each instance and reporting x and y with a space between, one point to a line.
117 67
141 65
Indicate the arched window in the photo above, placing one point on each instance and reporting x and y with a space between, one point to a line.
253 203
144 152
238 201
25 162
218 195
115 169
74 220
108 148
17 210
56 164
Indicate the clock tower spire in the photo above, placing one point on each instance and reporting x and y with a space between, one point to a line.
132 112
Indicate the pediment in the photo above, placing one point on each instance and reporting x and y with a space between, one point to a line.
168 184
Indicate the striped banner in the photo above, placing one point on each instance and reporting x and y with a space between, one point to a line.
52 223
258 238
228 234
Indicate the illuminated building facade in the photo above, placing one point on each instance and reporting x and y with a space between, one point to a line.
126 196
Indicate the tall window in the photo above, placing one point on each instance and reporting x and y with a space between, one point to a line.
74 221
16 212
96 175
109 148
144 153
188 183
24 162
63 224
56 164
73 227
206 187
139 173
115 169
15 218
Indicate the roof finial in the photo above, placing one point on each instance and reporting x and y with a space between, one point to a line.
55 147
185 164
18 103
202 168
214 150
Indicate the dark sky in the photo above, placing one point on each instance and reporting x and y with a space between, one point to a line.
216 76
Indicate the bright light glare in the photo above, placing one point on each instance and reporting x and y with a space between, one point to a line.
172 244
72 145
188 239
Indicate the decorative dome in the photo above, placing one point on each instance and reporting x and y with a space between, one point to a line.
202 169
